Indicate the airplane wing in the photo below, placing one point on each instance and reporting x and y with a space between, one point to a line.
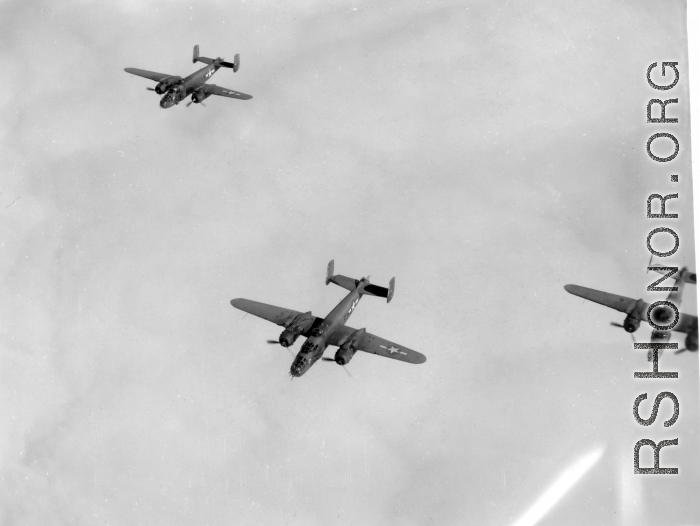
686 323
376 345
621 303
225 92
369 342
278 315
148 74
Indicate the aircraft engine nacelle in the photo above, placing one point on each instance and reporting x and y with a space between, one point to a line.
631 324
691 341
199 96
288 337
346 351
344 354
165 84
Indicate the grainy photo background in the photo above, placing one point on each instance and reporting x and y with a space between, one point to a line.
484 153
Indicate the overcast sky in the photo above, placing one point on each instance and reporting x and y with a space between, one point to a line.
485 155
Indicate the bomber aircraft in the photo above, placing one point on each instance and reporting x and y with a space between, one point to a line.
177 88
636 310
331 330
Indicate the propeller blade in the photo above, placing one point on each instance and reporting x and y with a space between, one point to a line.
150 89
326 359
680 351
203 104
275 342
615 324
188 104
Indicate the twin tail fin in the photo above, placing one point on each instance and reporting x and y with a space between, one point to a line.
366 288
235 65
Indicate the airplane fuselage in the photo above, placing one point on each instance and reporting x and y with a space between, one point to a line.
181 90
314 346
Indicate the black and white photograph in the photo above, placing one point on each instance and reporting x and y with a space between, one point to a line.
348 263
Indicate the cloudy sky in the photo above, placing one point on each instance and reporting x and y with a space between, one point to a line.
484 153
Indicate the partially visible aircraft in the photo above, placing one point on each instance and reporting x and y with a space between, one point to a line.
331 330
177 88
636 310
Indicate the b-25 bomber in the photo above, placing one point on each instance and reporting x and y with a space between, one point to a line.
637 310
331 330
176 88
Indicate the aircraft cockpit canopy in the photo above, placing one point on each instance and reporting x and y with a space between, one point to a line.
309 348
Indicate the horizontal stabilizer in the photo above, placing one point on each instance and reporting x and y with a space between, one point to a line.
341 281
196 58
382 292
233 65
351 284
688 277
344 281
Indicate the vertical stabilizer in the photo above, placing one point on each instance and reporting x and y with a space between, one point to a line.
329 271
391 290
195 54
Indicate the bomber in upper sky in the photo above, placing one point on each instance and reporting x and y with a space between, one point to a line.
636 310
177 88
331 330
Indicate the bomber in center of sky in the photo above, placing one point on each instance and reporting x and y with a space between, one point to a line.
636 310
177 88
331 330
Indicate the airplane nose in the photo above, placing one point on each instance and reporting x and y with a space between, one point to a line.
297 369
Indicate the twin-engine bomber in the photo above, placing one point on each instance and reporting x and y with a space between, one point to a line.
331 330
637 310
177 88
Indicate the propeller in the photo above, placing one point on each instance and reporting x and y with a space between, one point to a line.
615 324
190 102
332 360
150 89
275 342
685 349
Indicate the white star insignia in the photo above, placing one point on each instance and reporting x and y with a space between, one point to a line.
393 350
